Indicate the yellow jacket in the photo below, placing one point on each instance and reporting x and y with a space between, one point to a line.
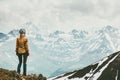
21 45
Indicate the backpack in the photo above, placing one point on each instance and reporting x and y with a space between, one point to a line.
25 40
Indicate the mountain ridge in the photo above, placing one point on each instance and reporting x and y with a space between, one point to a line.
106 69
73 49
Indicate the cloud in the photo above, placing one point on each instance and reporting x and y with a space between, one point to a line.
100 8
83 6
59 14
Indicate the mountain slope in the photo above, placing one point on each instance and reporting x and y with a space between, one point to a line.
3 37
106 69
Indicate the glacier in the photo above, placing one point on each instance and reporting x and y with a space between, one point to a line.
59 52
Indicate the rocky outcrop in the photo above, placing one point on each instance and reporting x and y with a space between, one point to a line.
13 75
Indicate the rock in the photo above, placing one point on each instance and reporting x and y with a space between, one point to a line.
13 75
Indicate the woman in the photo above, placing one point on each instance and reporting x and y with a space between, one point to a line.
22 51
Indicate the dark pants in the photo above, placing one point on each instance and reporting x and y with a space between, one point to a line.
24 56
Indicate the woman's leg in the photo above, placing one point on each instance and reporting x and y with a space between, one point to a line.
24 64
20 63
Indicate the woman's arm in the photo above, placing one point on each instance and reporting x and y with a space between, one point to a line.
26 46
17 45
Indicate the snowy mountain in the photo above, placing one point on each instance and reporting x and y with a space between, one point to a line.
106 69
3 37
14 33
56 34
59 52
78 34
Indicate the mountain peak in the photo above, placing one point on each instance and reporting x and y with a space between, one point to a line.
109 28
14 32
75 31
79 34
56 33
31 28
3 37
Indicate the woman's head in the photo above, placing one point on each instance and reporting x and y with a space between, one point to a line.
22 32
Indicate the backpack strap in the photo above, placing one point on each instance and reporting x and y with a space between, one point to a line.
17 45
17 42
25 41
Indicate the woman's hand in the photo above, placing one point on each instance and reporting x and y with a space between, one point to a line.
28 53
16 52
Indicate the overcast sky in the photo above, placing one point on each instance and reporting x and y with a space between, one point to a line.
59 14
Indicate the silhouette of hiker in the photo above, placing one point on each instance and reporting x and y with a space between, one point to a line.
22 51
